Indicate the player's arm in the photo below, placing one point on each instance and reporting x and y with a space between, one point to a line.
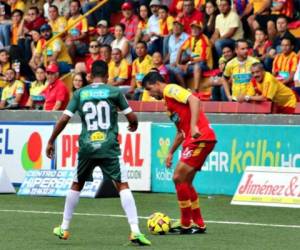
60 125
133 121
176 143
194 104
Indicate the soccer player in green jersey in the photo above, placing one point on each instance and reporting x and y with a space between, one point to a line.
97 105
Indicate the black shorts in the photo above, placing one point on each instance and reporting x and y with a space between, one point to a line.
111 169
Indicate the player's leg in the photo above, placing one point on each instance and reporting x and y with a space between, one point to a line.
118 174
182 185
84 172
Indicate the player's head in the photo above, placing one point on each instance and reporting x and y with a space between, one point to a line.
99 69
152 82
258 71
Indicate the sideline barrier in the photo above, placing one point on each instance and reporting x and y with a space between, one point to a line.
209 107
238 146
145 151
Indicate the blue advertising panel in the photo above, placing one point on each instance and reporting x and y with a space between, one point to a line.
57 183
238 146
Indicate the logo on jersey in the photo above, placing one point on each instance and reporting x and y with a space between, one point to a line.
94 94
32 152
98 136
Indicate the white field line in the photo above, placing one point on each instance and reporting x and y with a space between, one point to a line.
144 217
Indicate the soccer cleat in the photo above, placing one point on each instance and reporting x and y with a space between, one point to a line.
175 227
60 233
193 230
139 239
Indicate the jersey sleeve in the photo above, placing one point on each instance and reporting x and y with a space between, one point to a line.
177 93
123 104
270 88
73 104
38 49
227 72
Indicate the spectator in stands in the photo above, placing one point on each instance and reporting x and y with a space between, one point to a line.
63 7
142 29
175 42
265 87
157 60
119 71
16 5
105 53
104 36
228 27
33 20
53 51
102 13
285 63
14 94
297 77
16 19
238 70
199 51
154 43
129 20
4 66
262 44
58 23
218 92
140 67
36 98
77 39
211 12
121 42
190 14
279 7
46 8
254 9
56 94
165 21
35 37
93 56
79 81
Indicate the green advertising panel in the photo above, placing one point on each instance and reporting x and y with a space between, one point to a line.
238 146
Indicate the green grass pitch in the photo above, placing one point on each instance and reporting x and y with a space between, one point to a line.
95 227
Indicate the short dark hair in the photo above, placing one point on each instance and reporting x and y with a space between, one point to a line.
259 65
165 8
228 1
291 39
106 46
142 42
151 78
122 26
36 9
54 7
281 16
4 50
240 41
21 13
99 69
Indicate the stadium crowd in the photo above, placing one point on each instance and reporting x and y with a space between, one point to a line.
223 50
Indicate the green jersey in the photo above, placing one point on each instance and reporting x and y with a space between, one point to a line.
97 105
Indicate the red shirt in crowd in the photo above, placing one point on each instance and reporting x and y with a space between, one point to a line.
89 61
131 26
196 15
54 92
36 24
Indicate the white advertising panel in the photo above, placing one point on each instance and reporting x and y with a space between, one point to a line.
135 150
22 148
269 186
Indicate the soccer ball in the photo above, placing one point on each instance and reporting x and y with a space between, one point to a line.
159 223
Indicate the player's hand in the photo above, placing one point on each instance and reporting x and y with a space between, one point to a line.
132 126
195 133
169 160
50 150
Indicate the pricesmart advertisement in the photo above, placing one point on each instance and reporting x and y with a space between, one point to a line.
238 146
23 146
135 152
